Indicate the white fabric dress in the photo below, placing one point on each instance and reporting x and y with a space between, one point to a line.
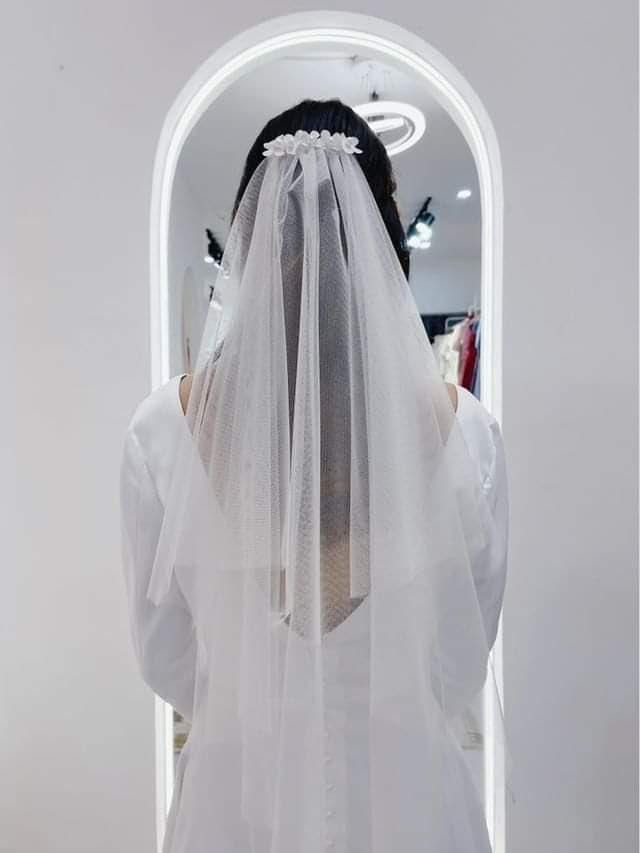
166 644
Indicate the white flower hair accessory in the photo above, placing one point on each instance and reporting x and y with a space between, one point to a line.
301 141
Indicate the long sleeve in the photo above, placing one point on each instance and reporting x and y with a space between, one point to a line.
163 636
490 570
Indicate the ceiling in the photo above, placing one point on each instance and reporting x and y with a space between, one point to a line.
439 165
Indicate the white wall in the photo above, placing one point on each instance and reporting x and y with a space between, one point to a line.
445 285
77 151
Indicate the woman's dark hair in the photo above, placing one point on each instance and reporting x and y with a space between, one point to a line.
336 117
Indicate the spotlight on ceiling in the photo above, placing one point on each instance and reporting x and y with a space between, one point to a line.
425 231
462 194
420 232
214 249
386 116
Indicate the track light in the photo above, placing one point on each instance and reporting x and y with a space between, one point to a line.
214 249
420 231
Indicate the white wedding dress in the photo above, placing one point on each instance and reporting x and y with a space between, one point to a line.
166 644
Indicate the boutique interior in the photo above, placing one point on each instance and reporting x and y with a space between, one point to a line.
437 194
515 150
438 197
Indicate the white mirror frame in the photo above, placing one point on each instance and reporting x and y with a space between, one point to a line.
404 49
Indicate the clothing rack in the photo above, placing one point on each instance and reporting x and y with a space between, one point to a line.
455 338
440 324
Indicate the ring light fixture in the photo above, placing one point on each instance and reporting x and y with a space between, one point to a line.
384 116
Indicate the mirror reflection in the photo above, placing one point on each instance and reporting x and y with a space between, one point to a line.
437 194
437 236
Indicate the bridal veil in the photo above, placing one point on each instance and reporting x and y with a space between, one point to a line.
327 519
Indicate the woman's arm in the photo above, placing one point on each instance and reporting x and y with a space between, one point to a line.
462 666
490 572
164 638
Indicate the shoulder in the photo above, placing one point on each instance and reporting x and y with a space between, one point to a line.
481 432
155 405
154 423
471 409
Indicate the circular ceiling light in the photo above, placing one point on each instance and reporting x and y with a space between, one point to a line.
462 194
386 116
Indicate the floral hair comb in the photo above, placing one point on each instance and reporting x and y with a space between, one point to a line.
301 141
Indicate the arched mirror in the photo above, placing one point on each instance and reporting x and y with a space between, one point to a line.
438 190
448 193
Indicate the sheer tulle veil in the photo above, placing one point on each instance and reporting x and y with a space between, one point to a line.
325 517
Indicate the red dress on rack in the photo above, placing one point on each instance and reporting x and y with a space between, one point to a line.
468 355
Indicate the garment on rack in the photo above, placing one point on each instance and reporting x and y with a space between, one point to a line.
468 354
475 385
440 324
446 349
